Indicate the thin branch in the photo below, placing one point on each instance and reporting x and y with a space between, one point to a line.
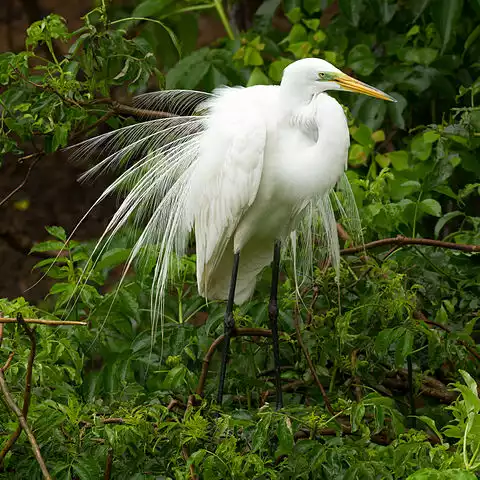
401 241
104 118
316 292
310 363
13 406
8 362
28 386
40 321
140 112
342 233
238 332
108 466
36 157
186 456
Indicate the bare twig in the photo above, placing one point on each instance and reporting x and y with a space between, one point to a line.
186 456
140 112
28 386
104 118
296 321
108 465
401 241
36 157
342 233
430 386
13 406
40 321
8 362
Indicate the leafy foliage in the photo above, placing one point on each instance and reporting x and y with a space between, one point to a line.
414 170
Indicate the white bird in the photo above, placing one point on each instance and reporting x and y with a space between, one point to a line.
246 169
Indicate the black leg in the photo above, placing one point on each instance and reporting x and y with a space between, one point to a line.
229 325
273 316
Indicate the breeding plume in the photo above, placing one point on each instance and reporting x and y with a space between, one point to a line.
248 169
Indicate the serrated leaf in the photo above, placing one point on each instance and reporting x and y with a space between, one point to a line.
57 232
49 246
285 437
260 436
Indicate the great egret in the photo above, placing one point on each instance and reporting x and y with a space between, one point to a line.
246 168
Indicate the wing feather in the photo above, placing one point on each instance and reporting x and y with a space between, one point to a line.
226 185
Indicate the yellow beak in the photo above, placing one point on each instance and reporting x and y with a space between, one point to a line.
353 85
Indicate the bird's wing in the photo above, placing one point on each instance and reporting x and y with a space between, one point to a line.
229 178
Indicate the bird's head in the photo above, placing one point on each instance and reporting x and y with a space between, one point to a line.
313 75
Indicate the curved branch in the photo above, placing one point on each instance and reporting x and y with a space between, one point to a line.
401 241
36 157
310 363
238 332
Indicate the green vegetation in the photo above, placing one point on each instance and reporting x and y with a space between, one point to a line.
102 395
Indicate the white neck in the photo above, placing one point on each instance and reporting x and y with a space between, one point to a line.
295 94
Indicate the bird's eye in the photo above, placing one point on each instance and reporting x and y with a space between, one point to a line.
321 75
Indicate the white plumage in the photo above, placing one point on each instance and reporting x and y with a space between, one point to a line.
248 167
256 172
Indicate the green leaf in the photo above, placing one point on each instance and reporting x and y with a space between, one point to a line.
361 60
404 348
363 135
471 38
112 258
445 15
421 148
152 8
431 207
257 77
275 71
285 437
352 9
252 57
432 474
431 423
49 246
398 159
423 56
260 436
445 219
57 232
358 155
385 10
396 109
298 34
356 415
189 71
